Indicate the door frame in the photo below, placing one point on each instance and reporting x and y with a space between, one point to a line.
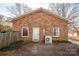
33 31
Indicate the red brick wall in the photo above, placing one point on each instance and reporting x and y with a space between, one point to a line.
43 21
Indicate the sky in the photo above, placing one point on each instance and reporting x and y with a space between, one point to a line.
4 10
31 3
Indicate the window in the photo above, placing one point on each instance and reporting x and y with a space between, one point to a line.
25 32
56 32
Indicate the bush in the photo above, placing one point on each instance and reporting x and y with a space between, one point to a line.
13 46
64 41
60 41
5 28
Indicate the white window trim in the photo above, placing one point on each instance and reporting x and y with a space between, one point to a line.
58 32
22 31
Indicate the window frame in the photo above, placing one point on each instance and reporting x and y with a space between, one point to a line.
22 31
58 30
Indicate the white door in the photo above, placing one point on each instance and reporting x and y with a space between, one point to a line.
35 34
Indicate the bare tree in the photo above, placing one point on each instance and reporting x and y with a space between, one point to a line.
1 18
70 11
18 9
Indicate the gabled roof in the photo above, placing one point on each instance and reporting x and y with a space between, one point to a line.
39 10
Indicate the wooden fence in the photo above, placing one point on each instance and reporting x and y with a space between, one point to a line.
7 38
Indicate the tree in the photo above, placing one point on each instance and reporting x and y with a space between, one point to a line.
18 9
4 24
1 19
70 11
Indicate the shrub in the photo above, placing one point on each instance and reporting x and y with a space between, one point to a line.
60 41
64 41
5 28
13 46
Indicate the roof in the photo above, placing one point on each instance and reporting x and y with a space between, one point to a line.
39 10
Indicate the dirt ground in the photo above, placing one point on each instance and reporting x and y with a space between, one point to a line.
32 49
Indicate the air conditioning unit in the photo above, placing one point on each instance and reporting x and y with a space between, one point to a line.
48 39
